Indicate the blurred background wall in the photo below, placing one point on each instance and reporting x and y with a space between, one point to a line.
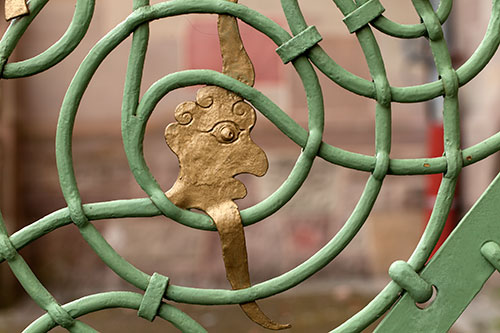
64 262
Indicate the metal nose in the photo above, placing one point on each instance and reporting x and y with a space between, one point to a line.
253 159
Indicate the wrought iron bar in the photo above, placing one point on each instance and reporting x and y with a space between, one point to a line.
302 49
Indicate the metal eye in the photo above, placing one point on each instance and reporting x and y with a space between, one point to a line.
226 132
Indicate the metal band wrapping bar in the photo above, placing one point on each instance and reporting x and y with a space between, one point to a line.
299 44
152 297
363 15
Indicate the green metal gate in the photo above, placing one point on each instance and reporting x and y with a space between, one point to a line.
472 252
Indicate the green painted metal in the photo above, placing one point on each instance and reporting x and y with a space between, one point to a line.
299 44
54 54
363 15
406 277
472 250
457 271
153 296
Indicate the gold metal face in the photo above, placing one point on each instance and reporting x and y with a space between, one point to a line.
213 145
211 138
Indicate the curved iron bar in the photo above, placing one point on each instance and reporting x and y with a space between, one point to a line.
55 53
99 52
33 287
412 94
394 29
379 165
448 184
116 299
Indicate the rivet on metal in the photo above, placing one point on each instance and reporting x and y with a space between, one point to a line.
406 277
491 252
